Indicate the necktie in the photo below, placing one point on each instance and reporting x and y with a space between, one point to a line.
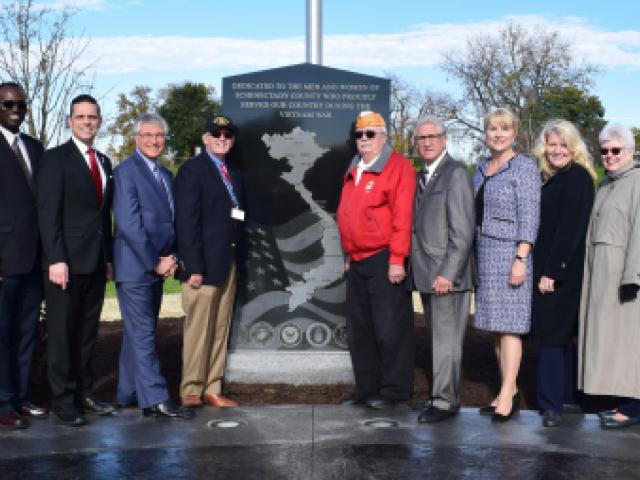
163 185
95 174
225 172
23 163
422 181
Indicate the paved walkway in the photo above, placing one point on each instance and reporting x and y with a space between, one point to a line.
318 442
172 307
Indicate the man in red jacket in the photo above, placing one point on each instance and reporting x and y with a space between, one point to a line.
374 219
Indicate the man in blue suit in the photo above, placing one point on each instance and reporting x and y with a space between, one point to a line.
143 257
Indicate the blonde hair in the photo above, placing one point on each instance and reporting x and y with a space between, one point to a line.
503 117
571 136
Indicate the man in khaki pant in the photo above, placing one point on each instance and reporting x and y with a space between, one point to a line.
209 215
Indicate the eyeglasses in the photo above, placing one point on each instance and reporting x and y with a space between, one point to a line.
424 138
151 136
9 104
223 133
368 133
614 151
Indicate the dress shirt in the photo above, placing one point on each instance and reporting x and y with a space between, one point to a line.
83 150
10 136
434 166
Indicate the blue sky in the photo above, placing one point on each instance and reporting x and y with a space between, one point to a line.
159 42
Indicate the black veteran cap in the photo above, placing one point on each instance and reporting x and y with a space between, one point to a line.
216 122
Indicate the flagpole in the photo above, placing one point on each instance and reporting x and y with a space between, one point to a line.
314 32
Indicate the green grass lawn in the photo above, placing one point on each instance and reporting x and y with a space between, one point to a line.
171 285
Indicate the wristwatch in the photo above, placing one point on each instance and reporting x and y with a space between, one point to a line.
522 258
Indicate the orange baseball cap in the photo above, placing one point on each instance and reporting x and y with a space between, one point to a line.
369 119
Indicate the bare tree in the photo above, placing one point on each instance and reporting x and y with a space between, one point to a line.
512 70
38 53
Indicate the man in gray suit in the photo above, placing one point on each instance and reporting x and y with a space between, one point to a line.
441 263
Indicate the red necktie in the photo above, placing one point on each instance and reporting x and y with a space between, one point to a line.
95 174
225 172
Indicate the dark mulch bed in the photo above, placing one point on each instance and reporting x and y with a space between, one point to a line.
479 372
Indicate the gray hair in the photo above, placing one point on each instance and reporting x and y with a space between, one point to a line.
431 120
150 118
619 132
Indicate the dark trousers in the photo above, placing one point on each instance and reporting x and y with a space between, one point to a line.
20 297
380 330
556 376
73 316
630 408
140 378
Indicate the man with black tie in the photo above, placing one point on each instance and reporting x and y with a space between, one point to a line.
20 279
441 264
144 243
74 197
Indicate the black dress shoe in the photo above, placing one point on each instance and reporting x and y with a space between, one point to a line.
551 419
12 419
435 414
352 399
28 409
487 410
379 403
91 405
515 406
168 410
70 418
572 409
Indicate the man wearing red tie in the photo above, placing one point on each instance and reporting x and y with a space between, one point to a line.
74 198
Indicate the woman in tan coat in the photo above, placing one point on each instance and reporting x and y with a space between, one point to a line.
609 363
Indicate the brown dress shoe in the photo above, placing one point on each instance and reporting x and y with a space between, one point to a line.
219 401
191 401
28 409
11 419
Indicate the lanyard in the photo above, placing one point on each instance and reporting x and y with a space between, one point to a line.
226 178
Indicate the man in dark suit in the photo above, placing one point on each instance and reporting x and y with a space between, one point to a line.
144 256
209 216
74 196
20 279
441 262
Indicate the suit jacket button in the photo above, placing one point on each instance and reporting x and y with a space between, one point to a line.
563 265
233 244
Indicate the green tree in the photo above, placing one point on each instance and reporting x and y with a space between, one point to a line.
573 104
636 134
130 107
185 107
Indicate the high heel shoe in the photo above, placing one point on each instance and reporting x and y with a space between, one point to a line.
515 406
487 410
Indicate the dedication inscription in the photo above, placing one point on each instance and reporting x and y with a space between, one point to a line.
294 147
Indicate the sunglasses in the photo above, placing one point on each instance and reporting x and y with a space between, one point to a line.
10 104
614 151
223 133
368 133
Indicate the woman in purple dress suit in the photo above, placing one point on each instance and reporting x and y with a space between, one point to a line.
507 187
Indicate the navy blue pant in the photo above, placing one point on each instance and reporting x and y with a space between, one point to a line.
140 379
630 408
380 330
20 297
556 379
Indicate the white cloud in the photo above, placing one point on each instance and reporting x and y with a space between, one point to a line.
421 45
79 4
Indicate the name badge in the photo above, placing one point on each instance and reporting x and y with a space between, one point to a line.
237 214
